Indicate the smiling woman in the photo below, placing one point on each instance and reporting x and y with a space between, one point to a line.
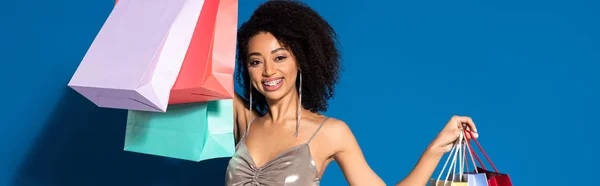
294 36
267 72
288 66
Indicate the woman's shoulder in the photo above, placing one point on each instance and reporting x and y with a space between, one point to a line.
335 134
333 127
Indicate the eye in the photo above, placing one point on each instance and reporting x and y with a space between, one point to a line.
254 62
280 58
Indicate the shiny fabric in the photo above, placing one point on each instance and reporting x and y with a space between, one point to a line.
292 167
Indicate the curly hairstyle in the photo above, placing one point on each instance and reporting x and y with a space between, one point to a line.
312 41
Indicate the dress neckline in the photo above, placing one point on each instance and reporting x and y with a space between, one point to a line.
266 164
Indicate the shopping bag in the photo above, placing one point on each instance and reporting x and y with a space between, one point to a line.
465 180
434 182
475 178
208 69
136 57
193 131
494 178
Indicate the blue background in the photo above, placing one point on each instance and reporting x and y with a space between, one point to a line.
524 70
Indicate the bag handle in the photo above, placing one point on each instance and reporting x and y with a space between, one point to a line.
466 159
471 154
460 153
482 151
454 153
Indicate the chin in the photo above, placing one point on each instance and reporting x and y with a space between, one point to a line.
274 95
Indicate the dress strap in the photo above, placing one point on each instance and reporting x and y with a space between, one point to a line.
316 131
248 129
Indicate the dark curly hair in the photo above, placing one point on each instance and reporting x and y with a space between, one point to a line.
312 41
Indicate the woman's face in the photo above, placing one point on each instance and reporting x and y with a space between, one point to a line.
272 68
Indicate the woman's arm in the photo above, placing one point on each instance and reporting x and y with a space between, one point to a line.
357 171
241 115
350 158
421 173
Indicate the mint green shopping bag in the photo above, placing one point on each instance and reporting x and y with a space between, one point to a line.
191 131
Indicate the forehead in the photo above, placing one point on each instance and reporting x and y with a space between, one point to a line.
263 43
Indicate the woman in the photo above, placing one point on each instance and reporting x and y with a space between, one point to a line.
288 66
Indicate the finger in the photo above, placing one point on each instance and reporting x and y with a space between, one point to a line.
468 121
475 135
468 135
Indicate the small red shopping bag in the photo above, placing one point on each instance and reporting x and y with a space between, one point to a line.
207 71
495 178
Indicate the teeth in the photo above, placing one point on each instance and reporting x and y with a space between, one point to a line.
273 83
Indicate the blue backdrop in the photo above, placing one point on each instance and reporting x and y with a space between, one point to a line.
524 70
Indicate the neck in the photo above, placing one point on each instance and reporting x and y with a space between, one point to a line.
284 108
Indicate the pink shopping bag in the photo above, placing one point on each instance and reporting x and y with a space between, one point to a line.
136 57
208 68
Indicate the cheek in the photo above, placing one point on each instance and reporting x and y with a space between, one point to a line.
255 74
289 69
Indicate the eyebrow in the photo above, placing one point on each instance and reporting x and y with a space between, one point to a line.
258 53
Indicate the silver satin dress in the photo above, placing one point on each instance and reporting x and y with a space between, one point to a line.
292 167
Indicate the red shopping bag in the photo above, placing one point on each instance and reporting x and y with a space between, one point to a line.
495 178
208 69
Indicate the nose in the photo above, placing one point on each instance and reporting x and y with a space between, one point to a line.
269 69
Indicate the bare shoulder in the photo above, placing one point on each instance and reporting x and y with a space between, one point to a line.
346 151
336 128
242 116
338 134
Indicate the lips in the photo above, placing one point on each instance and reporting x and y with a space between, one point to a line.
272 84
271 81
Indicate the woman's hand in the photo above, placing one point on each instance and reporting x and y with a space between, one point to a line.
445 140
443 143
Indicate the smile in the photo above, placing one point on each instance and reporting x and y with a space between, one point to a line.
273 83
